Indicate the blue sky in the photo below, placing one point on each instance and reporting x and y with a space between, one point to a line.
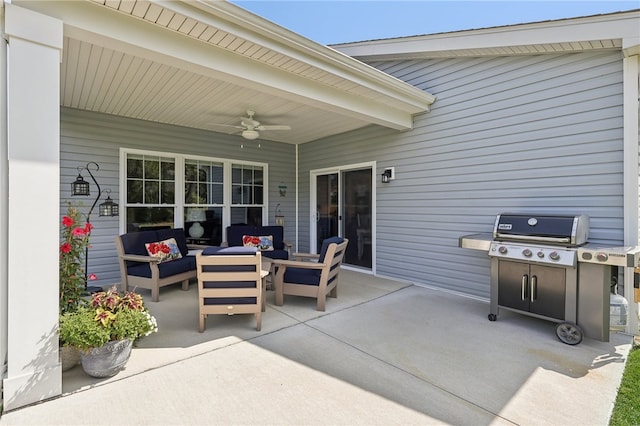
337 21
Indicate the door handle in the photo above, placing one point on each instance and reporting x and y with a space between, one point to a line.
534 288
523 294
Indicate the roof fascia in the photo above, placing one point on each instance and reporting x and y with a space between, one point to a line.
249 26
623 26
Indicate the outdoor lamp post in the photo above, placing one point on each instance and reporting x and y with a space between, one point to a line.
108 208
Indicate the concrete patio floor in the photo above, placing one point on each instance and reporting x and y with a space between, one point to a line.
383 353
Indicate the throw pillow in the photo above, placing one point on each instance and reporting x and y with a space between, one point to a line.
263 243
165 250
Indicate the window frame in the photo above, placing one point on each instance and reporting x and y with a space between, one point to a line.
180 179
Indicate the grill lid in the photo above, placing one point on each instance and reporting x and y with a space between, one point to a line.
569 230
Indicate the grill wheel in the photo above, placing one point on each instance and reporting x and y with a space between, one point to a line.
569 333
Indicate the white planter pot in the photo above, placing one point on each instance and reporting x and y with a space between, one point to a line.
107 360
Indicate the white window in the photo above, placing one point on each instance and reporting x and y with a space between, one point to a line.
202 195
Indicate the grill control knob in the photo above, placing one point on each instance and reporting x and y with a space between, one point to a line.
586 255
527 253
554 255
502 250
602 257
540 254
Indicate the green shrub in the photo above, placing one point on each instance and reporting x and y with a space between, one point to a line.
108 317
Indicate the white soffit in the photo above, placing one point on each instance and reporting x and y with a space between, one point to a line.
201 62
611 31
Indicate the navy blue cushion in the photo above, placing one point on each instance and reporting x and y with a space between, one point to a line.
236 232
325 246
229 284
178 234
134 243
230 300
276 231
229 251
302 276
166 269
276 254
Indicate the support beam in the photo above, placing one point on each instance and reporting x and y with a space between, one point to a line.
33 152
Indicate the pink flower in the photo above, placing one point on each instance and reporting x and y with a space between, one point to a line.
67 221
88 227
79 232
65 248
92 277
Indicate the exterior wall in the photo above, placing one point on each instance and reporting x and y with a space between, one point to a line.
87 136
529 133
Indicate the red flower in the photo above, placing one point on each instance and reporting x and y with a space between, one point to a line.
65 248
79 232
165 248
67 221
88 227
153 248
92 277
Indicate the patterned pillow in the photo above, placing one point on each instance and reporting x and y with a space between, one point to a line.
164 250
263 243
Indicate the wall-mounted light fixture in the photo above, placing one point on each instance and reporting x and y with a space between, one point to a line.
388 174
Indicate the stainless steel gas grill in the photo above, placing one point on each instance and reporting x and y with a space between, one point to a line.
534 267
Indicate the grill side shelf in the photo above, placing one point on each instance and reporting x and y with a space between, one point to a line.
476 242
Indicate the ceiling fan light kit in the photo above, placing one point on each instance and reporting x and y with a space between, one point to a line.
250 134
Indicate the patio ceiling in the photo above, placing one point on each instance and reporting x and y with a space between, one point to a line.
200 64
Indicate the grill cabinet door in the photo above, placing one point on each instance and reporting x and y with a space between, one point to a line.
513 285
548 291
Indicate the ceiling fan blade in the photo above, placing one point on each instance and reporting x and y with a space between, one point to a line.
228 125
274 127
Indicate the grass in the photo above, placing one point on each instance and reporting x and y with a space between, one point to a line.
626 410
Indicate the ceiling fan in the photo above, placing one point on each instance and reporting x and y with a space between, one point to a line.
251 127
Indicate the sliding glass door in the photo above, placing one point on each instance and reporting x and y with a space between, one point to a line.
344 207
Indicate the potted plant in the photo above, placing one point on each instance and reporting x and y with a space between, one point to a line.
74 241
104 331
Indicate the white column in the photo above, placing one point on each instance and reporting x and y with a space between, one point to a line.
33 141
631 92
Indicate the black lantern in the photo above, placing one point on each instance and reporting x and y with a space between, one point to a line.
80 186
109 207
386 176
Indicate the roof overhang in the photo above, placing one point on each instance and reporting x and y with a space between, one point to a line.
611 31
204 62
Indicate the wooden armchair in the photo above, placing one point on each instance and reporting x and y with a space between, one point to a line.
311 279
230 282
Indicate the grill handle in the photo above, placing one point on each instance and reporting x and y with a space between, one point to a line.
534 238
525 279
534 288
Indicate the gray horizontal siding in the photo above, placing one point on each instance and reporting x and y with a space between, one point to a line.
528 133
86 136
